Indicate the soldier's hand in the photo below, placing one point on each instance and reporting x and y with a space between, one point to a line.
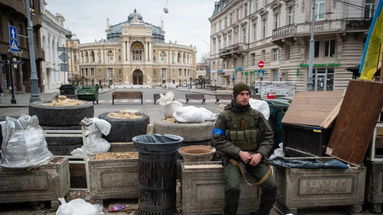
245 156
255 159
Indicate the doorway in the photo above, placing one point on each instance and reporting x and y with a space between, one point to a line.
138 77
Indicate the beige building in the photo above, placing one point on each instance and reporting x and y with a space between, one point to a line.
134 53
244 32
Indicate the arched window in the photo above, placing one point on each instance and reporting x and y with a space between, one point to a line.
137 51
163 56
86 57
110 54
179 58
92 56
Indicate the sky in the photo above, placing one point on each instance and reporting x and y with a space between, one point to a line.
187 21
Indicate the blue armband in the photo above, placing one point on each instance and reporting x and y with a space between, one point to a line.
218 131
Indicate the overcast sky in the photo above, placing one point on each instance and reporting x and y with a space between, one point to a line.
187 21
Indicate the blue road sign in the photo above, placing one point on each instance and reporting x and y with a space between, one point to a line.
12 32
13 45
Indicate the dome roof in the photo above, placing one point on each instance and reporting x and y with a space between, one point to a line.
134 15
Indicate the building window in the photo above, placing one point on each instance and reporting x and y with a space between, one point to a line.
110 72
276 54
254 30
137 51
329 48
287 53
110 54
264 21
225 22
264 55
323 79
316 50
319 9
276 20
245 10
244 33
253 59
275 74
290 15
163 56
179 72
369 9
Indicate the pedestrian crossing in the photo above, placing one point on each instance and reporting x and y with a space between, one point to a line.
138 101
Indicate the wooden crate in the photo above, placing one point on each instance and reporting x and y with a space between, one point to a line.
45 183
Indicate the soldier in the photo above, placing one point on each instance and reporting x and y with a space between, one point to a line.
245 139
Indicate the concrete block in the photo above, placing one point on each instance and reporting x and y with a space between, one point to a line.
306 188
45 183
203 186
113 179
374 186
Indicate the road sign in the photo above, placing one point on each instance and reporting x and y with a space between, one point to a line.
64 57
64 67
261 73
12 32
261 64
13 45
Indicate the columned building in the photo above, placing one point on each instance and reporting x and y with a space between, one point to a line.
135 53
53 40
243 32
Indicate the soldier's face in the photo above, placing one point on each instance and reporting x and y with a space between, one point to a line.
243 97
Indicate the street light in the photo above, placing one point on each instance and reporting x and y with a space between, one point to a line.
35 91
310 83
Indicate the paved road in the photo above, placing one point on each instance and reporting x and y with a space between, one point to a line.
155 111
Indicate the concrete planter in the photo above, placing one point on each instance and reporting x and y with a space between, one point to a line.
203 188
45 183
113 179
307 188
374 186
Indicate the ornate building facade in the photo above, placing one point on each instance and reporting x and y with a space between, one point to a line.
243 32
53 37
134 53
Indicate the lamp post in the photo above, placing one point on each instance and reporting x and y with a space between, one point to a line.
35 91
310 83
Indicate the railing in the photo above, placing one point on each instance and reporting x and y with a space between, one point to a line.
284 31
357 23
235 48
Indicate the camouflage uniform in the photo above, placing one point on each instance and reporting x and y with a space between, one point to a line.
243 128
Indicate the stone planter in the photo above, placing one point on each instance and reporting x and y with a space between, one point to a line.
45 183
202 190
197 153
374 186
113 179
307 188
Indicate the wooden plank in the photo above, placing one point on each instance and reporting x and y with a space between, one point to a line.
356 121
314 108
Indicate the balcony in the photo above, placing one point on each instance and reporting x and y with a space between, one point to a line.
235 49
283 32
358 23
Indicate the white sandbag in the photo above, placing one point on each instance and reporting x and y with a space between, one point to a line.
94 143
260 106
166 99
24 143
193 114
78 207
169 109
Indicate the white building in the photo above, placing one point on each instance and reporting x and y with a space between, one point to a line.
53 35
243 32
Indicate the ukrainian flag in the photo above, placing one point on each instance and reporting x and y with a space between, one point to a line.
371 53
